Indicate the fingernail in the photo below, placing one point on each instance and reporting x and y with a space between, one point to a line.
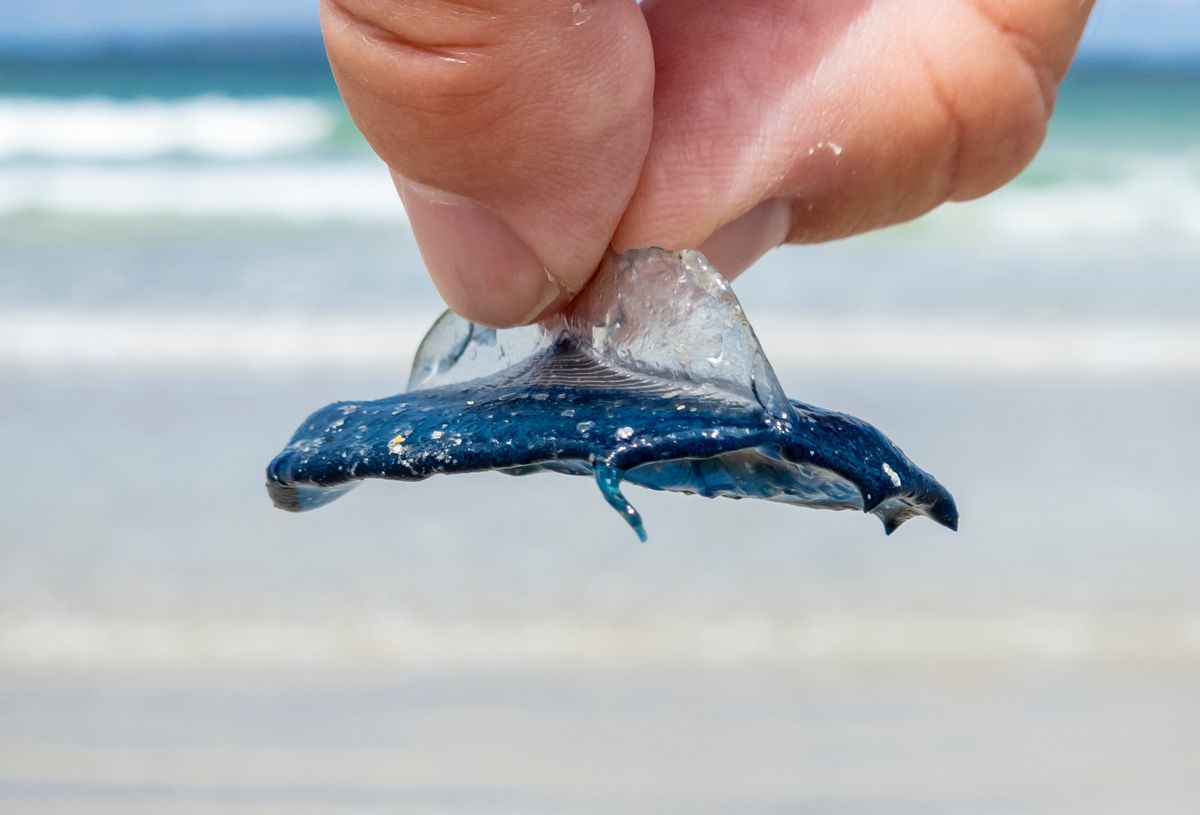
735 246
481 267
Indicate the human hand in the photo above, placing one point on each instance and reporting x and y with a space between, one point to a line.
526 136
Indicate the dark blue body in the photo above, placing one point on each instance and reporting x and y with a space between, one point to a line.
699 444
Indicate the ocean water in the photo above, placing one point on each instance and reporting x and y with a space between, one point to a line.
193 258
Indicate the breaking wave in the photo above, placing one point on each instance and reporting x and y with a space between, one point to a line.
212 127
303 193
1158 199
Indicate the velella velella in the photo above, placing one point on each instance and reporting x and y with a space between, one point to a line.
652 376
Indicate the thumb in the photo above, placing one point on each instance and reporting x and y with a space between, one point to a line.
515 131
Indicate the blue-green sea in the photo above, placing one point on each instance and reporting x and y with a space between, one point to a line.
197 250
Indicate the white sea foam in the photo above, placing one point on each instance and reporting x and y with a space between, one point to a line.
52 338
1148 198
211 126
400 641
1155 199
358 191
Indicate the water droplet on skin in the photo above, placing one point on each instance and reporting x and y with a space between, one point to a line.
831 146
581 13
